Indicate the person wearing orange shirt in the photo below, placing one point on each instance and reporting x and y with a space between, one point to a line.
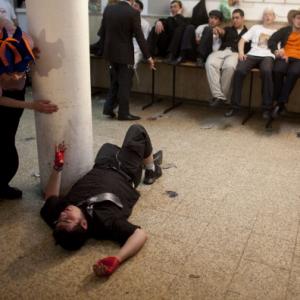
287 64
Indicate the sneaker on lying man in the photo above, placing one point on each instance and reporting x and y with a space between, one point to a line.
151 174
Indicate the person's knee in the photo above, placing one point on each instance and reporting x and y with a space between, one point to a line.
266 72
293 73
137 127
241 72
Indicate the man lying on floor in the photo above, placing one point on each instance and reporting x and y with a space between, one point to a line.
99 204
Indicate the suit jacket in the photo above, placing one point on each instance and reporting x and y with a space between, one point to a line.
231 39
120 24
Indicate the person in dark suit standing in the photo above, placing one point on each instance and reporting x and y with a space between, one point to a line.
120 24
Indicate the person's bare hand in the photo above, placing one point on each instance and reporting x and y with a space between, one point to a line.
218 31
151 63
280 53
242 56
44 106
159 27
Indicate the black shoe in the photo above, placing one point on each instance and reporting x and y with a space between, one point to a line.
178 60
128 117
109 113
151 176
232 112
200 62
216 102
278 110
267 115
10 193
158 157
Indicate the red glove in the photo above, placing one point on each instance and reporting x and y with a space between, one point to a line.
106 266
59 157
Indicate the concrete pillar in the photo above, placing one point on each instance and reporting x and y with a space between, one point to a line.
60 28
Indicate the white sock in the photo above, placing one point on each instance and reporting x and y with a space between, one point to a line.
150 166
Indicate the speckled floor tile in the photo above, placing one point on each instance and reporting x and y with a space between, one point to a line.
258 281
184 229
277 226
231 181
270 251
206 275
227 239
293 292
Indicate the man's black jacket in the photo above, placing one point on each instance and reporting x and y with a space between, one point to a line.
120 24
280 36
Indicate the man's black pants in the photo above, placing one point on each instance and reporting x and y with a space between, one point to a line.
265 64
129 158
285 78
120 86
9 122
189 46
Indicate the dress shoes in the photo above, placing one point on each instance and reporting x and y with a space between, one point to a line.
216 102
232 112
158 157
150 175
266 115
278 110
128 117
200 62
109 113
178 60
10 193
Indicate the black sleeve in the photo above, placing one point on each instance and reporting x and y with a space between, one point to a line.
121 230
138 33
52 209
101 32
276 38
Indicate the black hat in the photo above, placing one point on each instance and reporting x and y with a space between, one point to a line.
216 13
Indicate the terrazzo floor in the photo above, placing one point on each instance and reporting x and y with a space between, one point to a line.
231 233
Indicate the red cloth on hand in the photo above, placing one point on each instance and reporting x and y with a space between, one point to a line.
106 266
59 157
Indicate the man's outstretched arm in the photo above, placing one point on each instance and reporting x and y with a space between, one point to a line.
133 245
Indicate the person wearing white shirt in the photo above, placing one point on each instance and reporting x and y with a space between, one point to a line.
138 56
259 56
7 11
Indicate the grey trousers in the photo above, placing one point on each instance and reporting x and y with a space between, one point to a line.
220 67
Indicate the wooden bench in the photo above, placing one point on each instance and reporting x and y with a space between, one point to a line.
175 103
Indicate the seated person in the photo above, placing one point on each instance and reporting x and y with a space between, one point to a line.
198 44
98 204
138 55
259 56
15 58
287 64
162 34
221 64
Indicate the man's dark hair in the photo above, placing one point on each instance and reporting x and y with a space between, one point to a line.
217 14
178 2
140 4
239 11
71 240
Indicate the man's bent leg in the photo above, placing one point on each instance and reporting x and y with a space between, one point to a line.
213 66
266 71
228 69
136 147
293 73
